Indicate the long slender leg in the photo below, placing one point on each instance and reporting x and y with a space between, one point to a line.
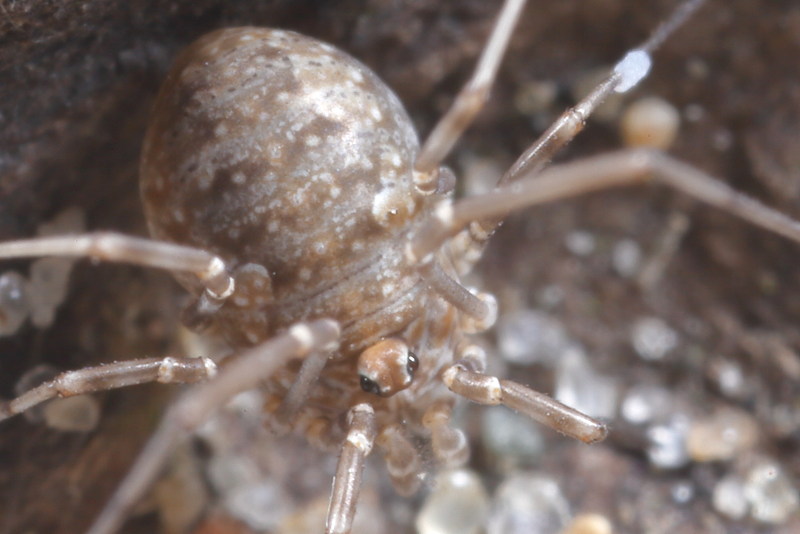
484 389
469 101
109 246
626 75
298 392
243 373
592 174
402 460
115 375
347 482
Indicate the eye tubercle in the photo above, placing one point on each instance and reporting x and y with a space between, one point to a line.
387 367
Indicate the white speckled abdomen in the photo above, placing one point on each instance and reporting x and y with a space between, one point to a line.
271 148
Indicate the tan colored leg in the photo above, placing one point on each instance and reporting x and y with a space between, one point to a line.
592 174
469 101
347 482
115 375
484 389
109 246
244 372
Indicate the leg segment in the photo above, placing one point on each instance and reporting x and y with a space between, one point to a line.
196 405
483 389
402 460
480 310
115 375
449 444
469 101
298 393
347 482
108 246
592 174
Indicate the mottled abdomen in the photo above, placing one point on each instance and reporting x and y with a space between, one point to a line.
269 147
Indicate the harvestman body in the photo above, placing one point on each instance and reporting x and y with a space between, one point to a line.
286 190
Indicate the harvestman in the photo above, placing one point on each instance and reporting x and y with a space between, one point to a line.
387 365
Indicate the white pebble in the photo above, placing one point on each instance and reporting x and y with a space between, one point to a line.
652 338
772 497
48 288
729 498
580 243
458 504
80 413
667 444
527 503
626 257
528 337
14 303
579 386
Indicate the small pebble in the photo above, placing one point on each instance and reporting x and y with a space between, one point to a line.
770 493
580 243
650 122
262 506
80 413
652 338
14 302
589 524
645 404
728 497
626 258
458 504
512 438
667 443
528 337
722 436
528 503
579 386
49 281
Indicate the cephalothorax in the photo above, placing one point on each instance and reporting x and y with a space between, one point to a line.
286 189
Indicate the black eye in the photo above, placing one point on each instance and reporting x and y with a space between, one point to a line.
412 364
369 385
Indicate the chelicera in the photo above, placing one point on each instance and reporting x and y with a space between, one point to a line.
286 190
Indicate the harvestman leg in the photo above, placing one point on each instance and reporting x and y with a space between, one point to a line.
466 378
347 482
591 174
194 407
115 375
109 246
626 75
469 101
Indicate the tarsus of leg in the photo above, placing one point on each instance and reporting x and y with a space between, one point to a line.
110 246
347 482
169 370
484 389
592 174
470 99
244 372
573 120
626 75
